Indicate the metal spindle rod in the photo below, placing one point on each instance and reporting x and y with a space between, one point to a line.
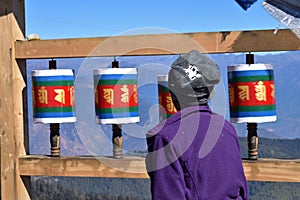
117 130
54 127
252 127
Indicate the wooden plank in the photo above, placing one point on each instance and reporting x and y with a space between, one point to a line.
127 167
276 170
159 44
12 83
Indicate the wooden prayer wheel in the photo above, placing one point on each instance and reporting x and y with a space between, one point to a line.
116 95
251 93
53 96
53 100
167 107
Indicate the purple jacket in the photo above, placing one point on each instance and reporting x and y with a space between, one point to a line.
195 154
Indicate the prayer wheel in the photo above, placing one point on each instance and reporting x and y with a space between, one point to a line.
167 107
53 96
251 93
116 95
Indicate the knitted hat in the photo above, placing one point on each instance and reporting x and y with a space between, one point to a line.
192 78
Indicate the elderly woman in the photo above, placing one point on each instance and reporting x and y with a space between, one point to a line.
194 154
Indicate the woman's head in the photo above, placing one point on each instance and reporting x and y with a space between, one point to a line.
191 79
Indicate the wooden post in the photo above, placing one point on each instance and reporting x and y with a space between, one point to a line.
13 101
117 140
252 127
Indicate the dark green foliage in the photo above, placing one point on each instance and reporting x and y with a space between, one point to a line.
75 188
273 191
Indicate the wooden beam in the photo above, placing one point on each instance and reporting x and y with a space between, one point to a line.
12 120
276 170
127 167
160 44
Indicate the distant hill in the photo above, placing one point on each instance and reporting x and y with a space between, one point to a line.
273 148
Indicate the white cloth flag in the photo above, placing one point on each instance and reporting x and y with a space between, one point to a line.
287 12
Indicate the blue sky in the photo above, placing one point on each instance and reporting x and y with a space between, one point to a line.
95 18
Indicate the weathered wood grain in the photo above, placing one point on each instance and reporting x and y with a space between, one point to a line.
159 44
276 170
12 83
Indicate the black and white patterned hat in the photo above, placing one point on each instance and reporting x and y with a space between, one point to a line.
192 78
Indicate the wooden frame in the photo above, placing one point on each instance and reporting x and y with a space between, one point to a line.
161 44
17 166
141 45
